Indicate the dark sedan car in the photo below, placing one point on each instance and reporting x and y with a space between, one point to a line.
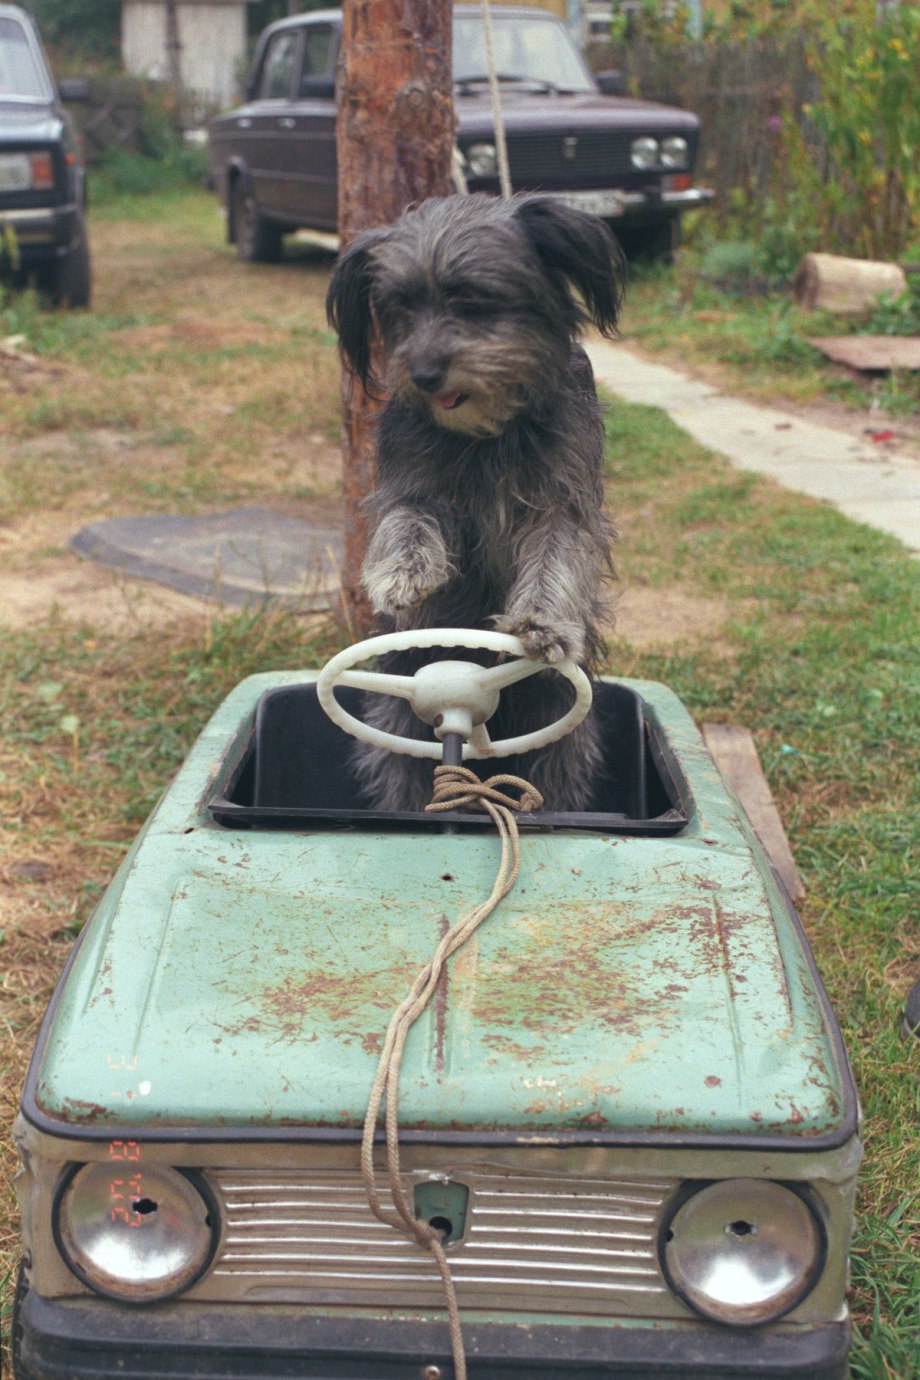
42 225
273 160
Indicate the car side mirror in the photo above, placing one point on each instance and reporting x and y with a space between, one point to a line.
74 89
610 83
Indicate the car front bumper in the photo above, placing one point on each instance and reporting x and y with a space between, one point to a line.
617 205
77 1338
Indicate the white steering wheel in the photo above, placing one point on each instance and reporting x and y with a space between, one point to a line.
452 696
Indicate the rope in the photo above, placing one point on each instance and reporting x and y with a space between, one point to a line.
501 148
454 787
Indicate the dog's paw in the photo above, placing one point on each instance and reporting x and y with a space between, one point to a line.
541 643
395 592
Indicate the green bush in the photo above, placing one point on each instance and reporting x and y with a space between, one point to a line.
862 175
163 159
137 174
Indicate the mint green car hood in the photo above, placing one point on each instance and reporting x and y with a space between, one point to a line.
627 985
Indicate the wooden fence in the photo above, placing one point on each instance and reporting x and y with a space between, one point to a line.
742 92
112 118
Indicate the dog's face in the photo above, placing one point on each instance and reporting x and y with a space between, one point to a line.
473 300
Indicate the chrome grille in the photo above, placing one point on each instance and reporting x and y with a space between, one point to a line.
553 1244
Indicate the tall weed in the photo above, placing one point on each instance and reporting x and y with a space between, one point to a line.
861 174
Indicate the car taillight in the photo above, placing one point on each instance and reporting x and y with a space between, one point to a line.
42 167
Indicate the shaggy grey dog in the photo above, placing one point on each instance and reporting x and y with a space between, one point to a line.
488 510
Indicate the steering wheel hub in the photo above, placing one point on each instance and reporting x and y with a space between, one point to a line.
452 697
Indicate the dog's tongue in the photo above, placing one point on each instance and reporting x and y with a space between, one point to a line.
447 400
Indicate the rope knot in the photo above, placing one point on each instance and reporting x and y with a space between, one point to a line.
455 787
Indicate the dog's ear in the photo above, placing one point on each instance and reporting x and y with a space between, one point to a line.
348 301
582 249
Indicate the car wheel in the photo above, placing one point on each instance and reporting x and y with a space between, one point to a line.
655 242
69 280
16 1324
258 241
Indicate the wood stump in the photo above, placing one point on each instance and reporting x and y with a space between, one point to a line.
847 287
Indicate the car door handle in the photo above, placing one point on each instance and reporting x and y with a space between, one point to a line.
244 124
287 122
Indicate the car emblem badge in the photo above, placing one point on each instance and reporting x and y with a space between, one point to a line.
569 147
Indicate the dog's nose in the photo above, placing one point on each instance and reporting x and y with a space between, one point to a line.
428 376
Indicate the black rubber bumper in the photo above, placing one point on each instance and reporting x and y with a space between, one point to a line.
82 1338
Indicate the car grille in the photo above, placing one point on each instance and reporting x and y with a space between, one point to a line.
595 156
532 1243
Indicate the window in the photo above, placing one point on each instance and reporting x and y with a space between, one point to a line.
278 67
20 75
318 51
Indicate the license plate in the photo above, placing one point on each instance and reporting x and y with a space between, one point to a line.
595 203
15 172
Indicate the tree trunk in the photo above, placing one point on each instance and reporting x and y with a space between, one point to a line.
394 142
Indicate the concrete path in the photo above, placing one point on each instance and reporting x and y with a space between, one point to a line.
861 479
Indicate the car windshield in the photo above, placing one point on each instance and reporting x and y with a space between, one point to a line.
525 49
21 76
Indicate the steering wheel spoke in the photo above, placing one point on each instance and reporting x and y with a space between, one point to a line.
509 672
481 743
379 683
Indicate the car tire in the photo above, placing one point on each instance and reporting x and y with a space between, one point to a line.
258 240
15 1337
655 242
70 279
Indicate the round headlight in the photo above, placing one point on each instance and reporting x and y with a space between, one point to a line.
139 1237
743 1251
481 160
644 152
674 152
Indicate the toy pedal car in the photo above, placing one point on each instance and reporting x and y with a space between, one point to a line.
628 1111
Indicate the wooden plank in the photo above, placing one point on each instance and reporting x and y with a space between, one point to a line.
736 757
871 353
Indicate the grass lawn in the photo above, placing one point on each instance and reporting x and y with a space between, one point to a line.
198 382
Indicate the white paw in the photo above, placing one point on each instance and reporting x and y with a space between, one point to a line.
394 591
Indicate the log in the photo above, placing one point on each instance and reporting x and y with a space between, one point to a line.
846 287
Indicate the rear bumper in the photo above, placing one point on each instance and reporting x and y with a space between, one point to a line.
41 231
78 1339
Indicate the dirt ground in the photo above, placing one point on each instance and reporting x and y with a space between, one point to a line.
40 577
207 307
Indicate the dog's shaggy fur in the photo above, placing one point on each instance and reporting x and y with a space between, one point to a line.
489 504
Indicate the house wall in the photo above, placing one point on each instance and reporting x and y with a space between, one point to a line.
212 39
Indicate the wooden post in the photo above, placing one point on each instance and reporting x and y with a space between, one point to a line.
174 58
394 141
